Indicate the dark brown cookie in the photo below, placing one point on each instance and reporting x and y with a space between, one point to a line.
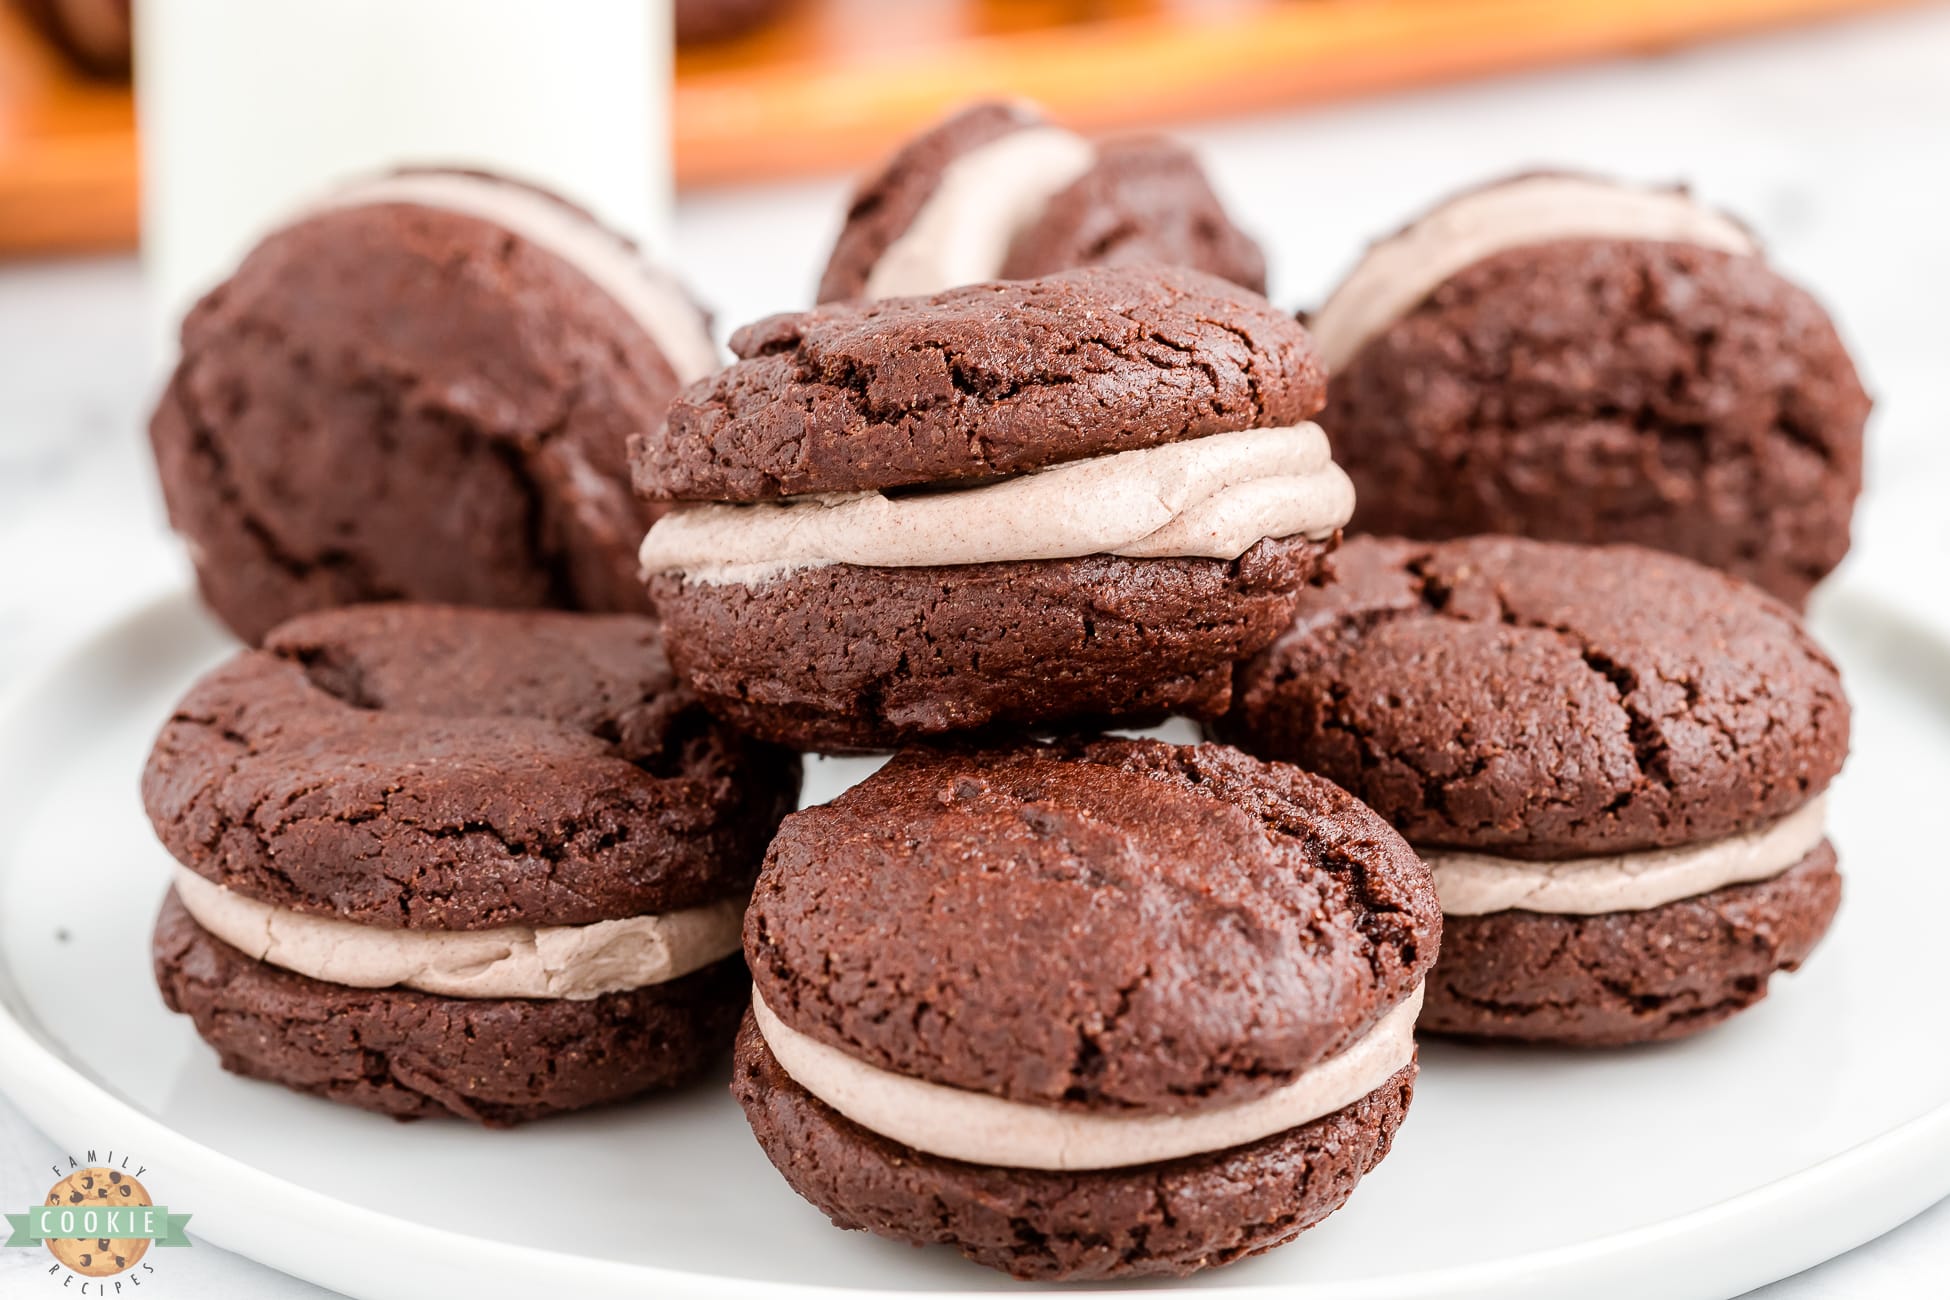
1541 700
399 402
496 1061
1101 929
862 397
1168 1219
978 646
1144 200
885 204
1186 927
1670 395
1629 977
454 769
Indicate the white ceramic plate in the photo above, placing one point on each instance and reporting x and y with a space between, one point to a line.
1802 1128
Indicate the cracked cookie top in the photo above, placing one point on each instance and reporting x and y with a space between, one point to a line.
1110 924
1544 700
428 767
987 380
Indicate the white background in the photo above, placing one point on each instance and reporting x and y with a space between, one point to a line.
1834 142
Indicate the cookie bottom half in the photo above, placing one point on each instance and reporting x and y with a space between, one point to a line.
844 657
497 1061
1629 977
1169 1219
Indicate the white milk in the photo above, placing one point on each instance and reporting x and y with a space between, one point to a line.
249 109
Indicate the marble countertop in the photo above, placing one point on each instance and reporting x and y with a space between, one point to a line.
1832 141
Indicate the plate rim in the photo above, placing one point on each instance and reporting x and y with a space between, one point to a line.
1822 1210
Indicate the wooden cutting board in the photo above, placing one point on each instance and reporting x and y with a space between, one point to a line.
835 83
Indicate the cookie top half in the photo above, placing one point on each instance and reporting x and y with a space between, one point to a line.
1545 700
1110 924
985 380
420 387
428 767
1582 360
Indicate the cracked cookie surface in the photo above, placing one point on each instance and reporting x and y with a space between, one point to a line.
429 767
398 403
1613 391
1168 1219
1121 925
1540 700
873 396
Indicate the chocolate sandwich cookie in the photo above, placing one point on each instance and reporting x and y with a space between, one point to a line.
420 389
1613 760
442 860
998 193
1101 1009
1578 360
1025 503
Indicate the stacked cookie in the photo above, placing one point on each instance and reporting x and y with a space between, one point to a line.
1018 504
1101 1009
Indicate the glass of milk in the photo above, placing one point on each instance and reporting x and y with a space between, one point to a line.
248 110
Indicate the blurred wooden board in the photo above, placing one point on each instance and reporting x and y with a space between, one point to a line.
67 151
835 83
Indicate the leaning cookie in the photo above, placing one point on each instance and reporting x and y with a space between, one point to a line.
1578 360
1095 1010
998 193
420 389
1612 759
439 860
1028 503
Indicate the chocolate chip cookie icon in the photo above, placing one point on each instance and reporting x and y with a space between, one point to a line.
97 1187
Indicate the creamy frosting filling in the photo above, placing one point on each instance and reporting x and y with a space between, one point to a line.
962 1125
1471 884
1214 497
573 962
984 199
1396 274
651 297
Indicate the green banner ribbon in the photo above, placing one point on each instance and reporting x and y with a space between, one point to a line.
79 1222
